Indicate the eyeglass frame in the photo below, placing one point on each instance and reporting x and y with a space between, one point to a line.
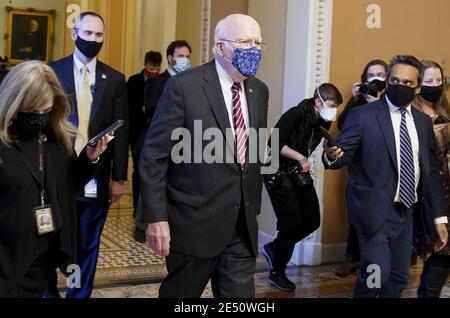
259 45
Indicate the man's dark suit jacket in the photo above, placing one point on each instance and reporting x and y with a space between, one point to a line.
200 201
368 142
153 90
109 104
138 122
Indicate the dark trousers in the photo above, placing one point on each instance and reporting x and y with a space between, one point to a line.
298 215
389 249
91 221
434 276
353 244
231 272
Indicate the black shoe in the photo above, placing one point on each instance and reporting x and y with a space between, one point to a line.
139 236
281 281
268 253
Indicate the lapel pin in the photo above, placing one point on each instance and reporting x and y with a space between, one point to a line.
104 76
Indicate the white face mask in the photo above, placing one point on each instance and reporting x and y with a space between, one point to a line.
328 114
382 79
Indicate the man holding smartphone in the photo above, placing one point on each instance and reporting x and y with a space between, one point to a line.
99 98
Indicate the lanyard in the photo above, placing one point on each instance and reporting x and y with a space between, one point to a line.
41 168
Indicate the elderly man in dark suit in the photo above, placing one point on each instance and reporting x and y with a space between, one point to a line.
202 216
99 98
391 149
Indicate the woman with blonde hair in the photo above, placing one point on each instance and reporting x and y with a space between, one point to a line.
39 176
433 101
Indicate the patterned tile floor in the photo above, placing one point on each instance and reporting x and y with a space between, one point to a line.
127 269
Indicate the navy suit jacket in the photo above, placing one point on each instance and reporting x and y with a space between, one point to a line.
368 142
109 104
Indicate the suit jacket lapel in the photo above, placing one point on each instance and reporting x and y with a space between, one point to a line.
68 82
385 122
422 141
101 80
214 94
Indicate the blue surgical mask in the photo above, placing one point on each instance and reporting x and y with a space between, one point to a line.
246 61
182 64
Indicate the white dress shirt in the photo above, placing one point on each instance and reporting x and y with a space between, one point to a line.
226 82
396 119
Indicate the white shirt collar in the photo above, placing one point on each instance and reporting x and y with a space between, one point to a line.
171 71
394 108
92 65
224 78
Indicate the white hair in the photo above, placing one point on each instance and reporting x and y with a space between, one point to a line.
218 34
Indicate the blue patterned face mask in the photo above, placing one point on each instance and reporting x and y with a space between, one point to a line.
246 61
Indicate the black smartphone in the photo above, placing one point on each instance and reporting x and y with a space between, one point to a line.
441 120
93 142
330 140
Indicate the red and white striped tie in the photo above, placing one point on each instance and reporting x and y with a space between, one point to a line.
239 125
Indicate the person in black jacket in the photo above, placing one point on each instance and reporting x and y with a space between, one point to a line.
38 181
138 121
374 71
292 192
178 53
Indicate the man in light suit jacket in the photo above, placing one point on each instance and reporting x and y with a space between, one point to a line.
107 102
391 149
202 216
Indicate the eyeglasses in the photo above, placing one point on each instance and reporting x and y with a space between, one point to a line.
249 44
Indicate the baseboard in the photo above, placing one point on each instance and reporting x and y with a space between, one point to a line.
333 253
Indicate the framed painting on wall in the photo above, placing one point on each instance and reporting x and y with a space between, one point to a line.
29 34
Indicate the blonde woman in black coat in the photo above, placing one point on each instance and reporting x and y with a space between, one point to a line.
38 181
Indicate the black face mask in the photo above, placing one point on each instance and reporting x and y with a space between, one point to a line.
432 94
28 125
90 49
400 96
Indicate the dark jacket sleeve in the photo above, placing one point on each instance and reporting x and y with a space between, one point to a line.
120 159
83 170
288 124
152 94
348 140
155 155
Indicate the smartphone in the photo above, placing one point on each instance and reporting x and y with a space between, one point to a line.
441 120
93 142
330 140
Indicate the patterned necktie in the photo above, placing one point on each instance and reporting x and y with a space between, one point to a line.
407 175
84 101
239 125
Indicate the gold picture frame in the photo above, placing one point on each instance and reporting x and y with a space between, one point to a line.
29 34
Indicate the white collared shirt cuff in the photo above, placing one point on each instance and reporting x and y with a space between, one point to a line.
327 161
442 220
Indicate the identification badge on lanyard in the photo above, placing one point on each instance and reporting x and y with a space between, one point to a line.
90 189
44 219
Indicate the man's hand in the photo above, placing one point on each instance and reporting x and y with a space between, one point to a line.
442 234
158 237
333 153
116 190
